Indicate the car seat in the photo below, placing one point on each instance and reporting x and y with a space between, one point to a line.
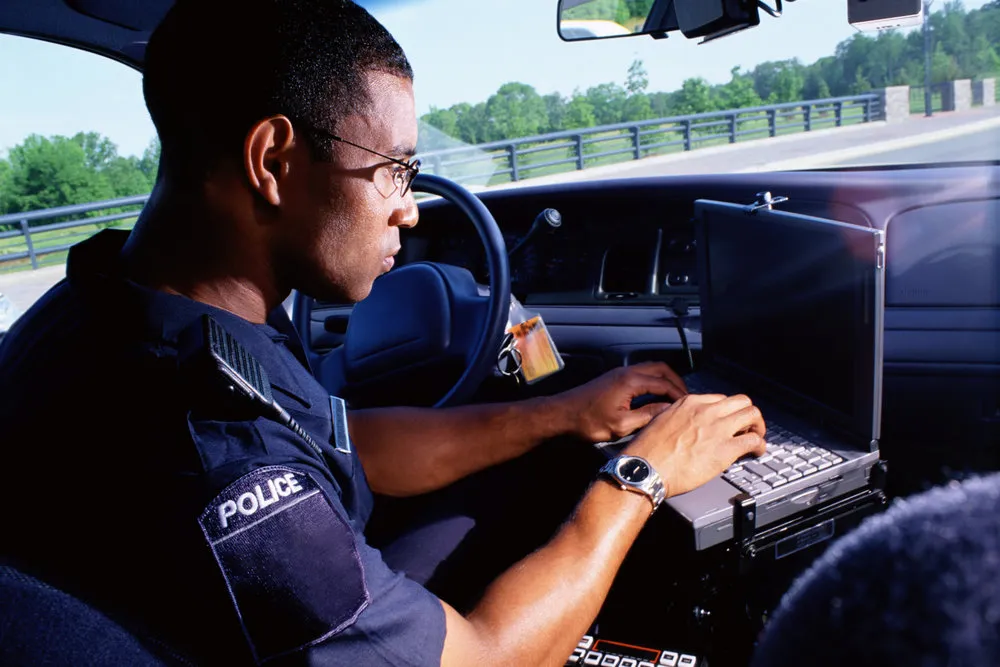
41 625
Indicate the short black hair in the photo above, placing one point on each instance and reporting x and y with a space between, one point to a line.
213 68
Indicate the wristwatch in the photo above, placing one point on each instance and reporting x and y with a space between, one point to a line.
633 473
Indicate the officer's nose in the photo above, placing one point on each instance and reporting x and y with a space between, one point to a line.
407 213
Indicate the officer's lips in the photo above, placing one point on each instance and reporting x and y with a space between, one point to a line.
389 260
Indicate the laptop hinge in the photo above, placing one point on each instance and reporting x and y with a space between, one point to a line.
744 518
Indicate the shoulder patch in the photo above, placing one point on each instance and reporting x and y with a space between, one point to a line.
289 559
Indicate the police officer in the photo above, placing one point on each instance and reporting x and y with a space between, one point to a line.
286 128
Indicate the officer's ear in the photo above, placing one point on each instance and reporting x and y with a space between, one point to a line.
267 154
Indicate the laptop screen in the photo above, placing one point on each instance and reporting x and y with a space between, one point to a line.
792 306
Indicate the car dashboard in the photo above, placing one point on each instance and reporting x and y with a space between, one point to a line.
609 279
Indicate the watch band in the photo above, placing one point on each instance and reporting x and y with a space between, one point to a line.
652 486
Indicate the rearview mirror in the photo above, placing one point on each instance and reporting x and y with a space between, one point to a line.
601 19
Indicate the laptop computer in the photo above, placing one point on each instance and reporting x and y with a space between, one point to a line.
791 311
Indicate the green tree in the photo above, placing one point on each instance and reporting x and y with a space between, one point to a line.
445 120
608 102
629 13
45 173
4 184
816 87
695 96
823 91
739 93
637 80
149 163
579 113
125 177
99 151
555 108
473 127
985 59
637 107
861 84
661 104
944 66
788 82
516 110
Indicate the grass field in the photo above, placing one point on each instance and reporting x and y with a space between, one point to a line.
50 239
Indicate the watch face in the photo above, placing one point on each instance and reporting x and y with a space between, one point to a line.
634 471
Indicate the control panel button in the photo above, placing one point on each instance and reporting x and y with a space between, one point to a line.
577 656
611 661
593 658
628 662
669 658
646 663
687 661
586 642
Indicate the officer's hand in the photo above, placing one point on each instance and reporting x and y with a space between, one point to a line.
602 409
698 437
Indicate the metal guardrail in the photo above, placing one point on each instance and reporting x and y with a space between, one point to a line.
516 159
22 220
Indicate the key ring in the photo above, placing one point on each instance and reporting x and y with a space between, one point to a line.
509 359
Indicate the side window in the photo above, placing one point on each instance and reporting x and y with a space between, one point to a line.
74 132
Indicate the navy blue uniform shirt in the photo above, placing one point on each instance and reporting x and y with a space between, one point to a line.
228 538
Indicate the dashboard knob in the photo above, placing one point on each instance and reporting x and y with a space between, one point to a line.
678 279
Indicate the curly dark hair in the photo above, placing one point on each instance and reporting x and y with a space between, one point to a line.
213 68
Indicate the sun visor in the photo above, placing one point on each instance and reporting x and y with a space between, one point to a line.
139 15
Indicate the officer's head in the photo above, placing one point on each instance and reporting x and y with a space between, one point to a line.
272 111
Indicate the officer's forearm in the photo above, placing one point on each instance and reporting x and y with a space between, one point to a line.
536 612
408 451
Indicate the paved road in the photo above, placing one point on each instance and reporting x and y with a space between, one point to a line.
858 144
979 146
24 287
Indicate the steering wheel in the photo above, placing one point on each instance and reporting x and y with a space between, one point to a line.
426 316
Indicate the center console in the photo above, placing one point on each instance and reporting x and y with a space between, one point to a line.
677 606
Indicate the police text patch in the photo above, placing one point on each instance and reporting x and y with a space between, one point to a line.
288 557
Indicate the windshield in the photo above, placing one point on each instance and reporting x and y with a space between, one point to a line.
503 101
836 96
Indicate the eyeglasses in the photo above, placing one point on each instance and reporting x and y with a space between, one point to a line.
398 175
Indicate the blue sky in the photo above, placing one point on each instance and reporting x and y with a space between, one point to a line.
461 52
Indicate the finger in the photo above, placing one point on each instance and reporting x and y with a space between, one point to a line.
749 443
660 369
747 420
704 399
639 384
729 405
640 417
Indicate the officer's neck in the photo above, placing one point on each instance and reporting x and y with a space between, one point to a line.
187 244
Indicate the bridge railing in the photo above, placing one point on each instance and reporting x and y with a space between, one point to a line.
38 242
24 242
517 159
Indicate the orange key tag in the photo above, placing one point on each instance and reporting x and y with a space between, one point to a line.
539 356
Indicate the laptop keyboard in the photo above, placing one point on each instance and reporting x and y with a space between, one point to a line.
789 457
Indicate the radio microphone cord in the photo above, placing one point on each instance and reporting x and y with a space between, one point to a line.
679 307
